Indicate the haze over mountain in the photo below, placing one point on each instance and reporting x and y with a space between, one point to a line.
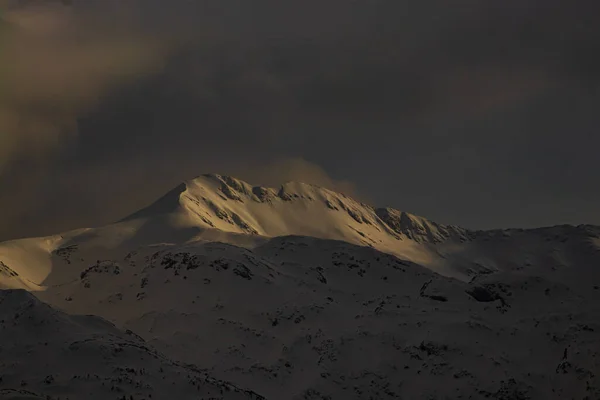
487 111
300 292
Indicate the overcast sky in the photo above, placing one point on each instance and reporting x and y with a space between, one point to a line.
480 113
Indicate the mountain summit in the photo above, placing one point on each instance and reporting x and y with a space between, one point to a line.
299 293
232 205
220 208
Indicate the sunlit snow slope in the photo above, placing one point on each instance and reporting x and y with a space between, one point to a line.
298 293
220 208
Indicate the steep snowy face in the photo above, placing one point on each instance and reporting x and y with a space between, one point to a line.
420 229
231 205
225 204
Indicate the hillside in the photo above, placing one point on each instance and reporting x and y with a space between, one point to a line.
48 355
304 293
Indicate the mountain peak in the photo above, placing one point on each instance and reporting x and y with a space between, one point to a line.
221 208
215 201
237 189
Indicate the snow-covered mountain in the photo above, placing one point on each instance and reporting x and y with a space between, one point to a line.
304 293
47 354
218 208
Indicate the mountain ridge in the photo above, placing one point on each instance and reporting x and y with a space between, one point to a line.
215 207
304 293
230 188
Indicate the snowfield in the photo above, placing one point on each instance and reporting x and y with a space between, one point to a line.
224 290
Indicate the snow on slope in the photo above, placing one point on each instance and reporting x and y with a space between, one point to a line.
231 205
219 208
306 318
210 275
46 354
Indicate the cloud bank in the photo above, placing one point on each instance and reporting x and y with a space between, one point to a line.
59 65
476 113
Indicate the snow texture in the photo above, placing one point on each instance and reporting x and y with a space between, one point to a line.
225 290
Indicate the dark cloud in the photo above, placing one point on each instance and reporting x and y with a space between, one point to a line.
479 113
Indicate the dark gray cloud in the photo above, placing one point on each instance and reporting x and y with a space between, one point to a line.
478 113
